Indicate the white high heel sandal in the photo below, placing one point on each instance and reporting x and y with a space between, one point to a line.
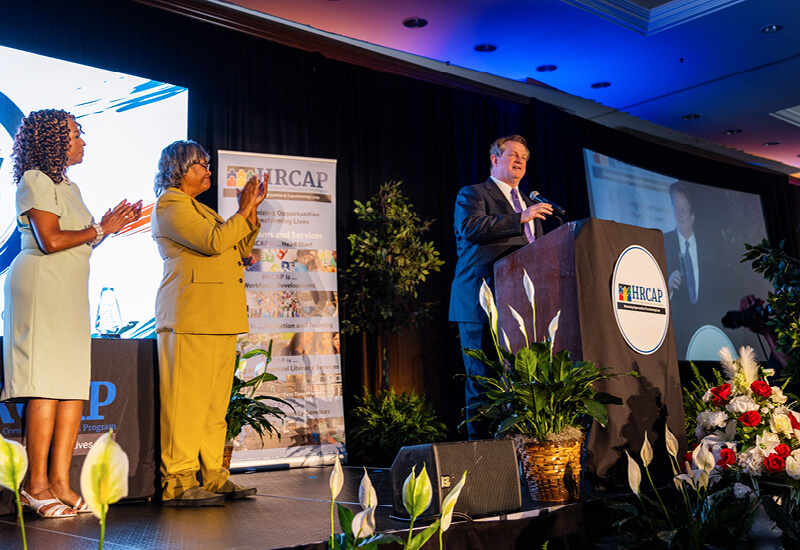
57 508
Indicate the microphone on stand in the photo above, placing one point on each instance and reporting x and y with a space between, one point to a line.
536 197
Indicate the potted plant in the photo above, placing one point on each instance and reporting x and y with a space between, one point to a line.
384 423
245 408
539 397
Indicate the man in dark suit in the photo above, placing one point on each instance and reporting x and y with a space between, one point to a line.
689 259
695 289
492 219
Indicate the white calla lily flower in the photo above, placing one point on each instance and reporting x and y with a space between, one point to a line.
104 475
417 493
528 284
363 524
553 328
486 299
505 340
336 481
530 292
672 442
449 503
520 323
703 459
367 496
647 452
634 474
13 463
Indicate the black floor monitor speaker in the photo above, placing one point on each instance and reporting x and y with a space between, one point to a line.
492 486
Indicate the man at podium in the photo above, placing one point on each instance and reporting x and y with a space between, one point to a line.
492 219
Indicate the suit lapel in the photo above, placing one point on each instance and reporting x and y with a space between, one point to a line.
493 191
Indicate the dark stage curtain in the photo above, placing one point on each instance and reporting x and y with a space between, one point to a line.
251 94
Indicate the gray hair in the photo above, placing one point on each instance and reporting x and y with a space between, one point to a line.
175 161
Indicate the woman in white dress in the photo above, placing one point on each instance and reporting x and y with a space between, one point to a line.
47 329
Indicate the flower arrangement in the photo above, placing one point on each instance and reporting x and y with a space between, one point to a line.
754 435
747 455
536 392
747 423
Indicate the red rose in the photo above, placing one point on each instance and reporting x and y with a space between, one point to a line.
721 394
726 458
783 450
750 418
761 388
793 420
774 463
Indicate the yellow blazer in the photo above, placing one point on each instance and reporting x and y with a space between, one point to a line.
202 291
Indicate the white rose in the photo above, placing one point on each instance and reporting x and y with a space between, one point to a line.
708 396
780 424
742 404
793 466
777 396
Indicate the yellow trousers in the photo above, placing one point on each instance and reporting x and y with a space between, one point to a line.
195 379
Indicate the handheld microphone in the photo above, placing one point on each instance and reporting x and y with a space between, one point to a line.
536 197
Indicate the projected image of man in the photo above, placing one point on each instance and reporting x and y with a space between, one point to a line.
686 253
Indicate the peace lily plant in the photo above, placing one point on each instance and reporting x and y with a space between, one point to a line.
13 467
359 529
536 392
104 476
700 511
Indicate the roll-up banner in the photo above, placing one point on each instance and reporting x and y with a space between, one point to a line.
292 300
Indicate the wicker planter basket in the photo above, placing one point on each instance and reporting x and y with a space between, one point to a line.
227 454
552 469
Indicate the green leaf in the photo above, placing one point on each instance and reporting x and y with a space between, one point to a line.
421 538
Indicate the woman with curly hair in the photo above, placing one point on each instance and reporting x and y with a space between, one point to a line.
47 328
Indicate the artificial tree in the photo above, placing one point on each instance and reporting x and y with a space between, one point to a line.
388 262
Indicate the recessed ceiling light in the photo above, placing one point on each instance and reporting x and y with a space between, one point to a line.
414 22
733 131
771 28
599 85
690 117
484 47
771 143
546 68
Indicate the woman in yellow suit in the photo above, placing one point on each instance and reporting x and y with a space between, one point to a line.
200 308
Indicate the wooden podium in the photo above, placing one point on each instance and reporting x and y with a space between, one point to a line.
571 269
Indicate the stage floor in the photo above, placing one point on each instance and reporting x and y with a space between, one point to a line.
291 508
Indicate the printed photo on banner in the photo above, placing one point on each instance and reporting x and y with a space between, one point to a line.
291 303
285 260
292 344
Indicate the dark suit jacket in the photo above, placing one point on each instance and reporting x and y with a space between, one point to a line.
673 246
487 229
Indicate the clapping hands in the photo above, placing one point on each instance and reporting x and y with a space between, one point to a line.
121 215
251 195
